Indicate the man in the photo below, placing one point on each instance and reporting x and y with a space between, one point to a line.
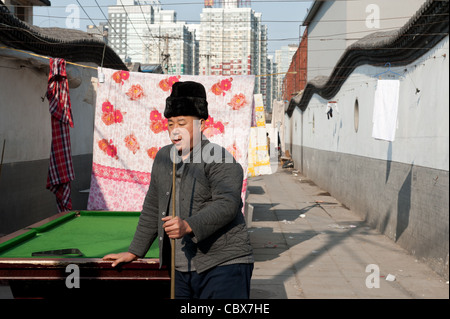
213 257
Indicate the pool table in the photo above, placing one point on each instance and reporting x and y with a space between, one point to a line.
36 262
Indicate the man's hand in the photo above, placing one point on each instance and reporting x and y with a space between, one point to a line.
120 258
176 228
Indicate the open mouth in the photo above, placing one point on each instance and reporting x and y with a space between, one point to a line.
177 140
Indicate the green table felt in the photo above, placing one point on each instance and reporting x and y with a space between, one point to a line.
95 234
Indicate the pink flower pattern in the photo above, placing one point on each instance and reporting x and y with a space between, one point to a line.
222 86
158 124
238 101
121 76
136 92
111 116
166 84
127 138
213 128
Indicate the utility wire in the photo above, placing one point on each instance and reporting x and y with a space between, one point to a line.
319 38
148 27
248 21
89 16
114 29
39 40
132 24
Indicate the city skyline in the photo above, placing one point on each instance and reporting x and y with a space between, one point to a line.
135 30
283 18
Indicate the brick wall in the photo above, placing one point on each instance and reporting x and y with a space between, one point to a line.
295 79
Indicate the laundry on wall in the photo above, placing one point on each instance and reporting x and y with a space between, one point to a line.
385 109
332 106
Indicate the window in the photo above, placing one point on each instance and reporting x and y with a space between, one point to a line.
356 115
313 124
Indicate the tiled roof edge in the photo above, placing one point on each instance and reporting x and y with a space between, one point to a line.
419 35
71 45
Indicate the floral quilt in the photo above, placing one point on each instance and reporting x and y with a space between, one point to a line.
130 129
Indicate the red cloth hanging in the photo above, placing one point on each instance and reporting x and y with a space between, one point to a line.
60 172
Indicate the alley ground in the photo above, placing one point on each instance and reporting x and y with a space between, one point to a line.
307 245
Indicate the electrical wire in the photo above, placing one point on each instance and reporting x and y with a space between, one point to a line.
110 25
227 39
201 3
325 37
89 17
91 67
148 26
231 40
46 57
246 21
132 24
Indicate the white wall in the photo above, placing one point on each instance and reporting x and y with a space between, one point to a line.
422 137
400 187
338 24
26 127
25 118
362 16
323 55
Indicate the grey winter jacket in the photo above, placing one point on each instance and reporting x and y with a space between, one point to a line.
210 195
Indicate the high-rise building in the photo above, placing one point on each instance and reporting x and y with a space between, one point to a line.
172 44
140 31
283 58
233 41
230 39
271 83
129 19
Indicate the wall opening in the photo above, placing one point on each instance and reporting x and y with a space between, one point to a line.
356 115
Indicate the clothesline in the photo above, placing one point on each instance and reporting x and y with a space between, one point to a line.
95 68
46 57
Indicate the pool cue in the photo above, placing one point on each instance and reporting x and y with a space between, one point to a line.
3 153
172 283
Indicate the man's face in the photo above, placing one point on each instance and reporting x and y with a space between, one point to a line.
185 132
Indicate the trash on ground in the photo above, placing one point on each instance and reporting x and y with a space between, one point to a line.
270 245
302 216
336 226
288 164
390 277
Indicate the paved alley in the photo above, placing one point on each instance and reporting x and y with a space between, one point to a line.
307 245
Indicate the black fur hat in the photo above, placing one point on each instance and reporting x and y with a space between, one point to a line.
187 98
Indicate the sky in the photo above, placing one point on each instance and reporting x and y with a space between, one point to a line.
283 17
